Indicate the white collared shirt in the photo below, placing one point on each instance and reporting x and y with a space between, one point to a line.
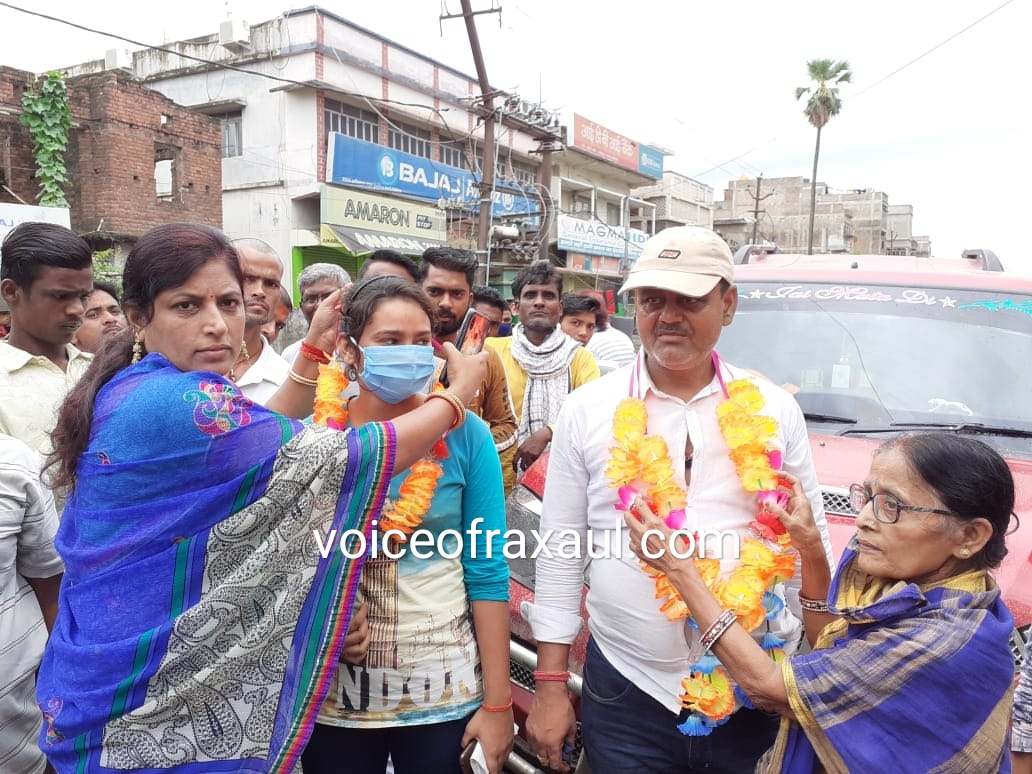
264 376
624 615
32 389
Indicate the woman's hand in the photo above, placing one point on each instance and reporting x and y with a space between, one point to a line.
322 333
465 372
356 643
797 516
494 732
652 541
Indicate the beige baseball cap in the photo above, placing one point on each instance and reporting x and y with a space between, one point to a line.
689 260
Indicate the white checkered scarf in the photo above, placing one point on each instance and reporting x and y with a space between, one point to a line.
548 377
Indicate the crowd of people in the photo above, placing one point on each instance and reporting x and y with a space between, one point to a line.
219 553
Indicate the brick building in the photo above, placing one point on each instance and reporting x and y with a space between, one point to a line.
135 159
17 166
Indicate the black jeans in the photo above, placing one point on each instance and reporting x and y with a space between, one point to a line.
427 749
624 730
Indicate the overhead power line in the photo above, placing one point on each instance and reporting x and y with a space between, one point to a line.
202 60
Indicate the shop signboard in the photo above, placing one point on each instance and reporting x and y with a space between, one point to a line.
650 161
593 237
615 148
13 214
357 209
361 164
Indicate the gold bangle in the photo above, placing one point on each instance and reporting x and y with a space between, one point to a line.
304 381
455 402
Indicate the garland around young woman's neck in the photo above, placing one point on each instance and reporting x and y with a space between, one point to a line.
403 516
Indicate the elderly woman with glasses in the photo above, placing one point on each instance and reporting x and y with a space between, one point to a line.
910 668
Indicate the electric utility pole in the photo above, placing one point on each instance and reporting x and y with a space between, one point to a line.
487 97
756 207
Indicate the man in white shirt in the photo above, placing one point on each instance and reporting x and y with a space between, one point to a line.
260 370
30 576
611 347
46 275
316 283
636 656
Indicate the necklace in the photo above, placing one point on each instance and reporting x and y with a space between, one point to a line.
401 517
640 465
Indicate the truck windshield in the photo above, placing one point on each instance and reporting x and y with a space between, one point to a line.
880 356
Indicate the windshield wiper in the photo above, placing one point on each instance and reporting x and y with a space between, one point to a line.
815 417
972 428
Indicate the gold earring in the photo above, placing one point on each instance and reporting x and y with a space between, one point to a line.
965 553
244 354
137 347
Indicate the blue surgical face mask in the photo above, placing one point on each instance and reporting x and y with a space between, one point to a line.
398 372
504 329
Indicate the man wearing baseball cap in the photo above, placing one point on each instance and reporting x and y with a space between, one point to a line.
631 709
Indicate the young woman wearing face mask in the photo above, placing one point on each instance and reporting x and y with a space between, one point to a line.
426 670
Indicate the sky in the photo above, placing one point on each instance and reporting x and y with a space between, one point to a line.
711 82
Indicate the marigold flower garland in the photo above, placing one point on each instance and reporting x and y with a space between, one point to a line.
405 514
708 697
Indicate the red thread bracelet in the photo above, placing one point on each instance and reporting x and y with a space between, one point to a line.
500 708
314 354
555 677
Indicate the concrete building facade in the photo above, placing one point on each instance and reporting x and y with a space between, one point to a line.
337 141
845 221
678 200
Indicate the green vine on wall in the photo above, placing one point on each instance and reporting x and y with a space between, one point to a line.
48 117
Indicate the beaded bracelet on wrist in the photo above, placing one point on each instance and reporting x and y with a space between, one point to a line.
716 630
813 605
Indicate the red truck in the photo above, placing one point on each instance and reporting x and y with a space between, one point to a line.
871 346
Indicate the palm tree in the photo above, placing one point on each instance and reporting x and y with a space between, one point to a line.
823 103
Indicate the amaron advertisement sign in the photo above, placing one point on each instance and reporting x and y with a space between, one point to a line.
593 237
344 207
361 164
615 148
364 222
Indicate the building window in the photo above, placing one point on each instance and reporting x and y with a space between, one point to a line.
453 153
525 175
166 172
352 121
613 214
232 134
410 139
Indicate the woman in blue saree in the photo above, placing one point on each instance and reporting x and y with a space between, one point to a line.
911 668
201 614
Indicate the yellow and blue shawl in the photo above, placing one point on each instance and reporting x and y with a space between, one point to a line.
911 678
198 625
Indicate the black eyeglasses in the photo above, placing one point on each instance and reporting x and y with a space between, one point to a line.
887 508
312 300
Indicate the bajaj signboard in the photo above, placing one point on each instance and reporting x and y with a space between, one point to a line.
361 164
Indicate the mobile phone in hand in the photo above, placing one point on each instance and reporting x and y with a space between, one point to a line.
470 338
464 760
